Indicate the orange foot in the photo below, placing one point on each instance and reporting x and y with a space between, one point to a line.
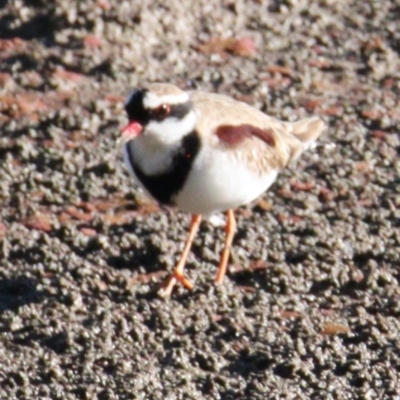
176 277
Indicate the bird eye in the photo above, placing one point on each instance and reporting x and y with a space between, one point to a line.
161 112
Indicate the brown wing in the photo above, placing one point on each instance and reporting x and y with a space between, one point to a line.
237 127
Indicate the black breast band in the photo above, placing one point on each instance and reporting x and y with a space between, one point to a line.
163 187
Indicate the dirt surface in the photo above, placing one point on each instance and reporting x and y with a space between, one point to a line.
310 307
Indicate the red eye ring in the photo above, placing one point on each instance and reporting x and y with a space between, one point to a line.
161 112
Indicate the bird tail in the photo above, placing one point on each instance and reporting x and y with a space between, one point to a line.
306 131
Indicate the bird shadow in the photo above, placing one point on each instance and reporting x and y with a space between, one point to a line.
247 363
147 254
17 292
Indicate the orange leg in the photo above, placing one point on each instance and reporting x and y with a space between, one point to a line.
177 275
230 229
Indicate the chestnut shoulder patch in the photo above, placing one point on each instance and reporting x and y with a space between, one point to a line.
235 134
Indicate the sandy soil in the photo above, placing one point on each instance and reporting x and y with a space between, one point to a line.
310 307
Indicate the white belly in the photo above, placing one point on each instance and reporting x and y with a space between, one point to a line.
218 182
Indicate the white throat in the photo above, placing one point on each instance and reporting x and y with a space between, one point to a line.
154 149
171 130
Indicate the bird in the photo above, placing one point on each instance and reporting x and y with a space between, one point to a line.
205 153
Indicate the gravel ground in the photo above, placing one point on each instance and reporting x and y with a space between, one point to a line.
311 304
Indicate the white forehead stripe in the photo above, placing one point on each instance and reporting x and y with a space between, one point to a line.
151 100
